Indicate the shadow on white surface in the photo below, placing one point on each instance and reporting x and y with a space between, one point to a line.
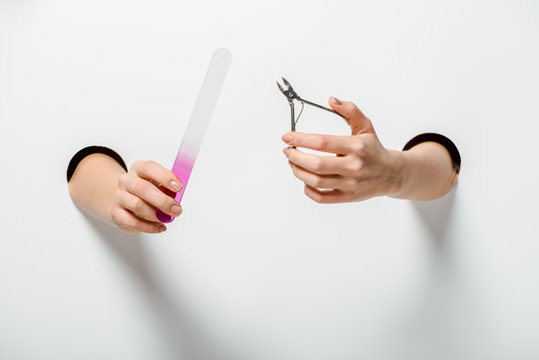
436 216
180 332
438 313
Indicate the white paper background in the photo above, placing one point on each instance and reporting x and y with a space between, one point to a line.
253 269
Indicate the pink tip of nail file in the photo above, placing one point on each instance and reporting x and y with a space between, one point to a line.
198 123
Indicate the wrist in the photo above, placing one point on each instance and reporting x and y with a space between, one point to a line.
396 173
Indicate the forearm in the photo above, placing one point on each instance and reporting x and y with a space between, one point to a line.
94 183
425 172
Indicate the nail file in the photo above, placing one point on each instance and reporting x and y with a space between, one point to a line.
198 123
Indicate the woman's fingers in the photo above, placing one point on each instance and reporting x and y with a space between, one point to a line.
318 181
327 143
146 187
324 165
130 223
327 196
137 206
151 194
363 168
152 171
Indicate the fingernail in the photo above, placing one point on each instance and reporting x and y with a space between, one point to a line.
286 151
336 101
286 138
162 228
176 210
177 186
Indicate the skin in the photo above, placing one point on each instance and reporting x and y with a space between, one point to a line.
128 200
359 167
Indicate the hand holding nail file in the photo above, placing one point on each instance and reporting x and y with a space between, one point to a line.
198 123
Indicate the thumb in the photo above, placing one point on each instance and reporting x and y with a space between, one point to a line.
359 123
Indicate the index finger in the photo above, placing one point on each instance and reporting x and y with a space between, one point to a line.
150 170
327 143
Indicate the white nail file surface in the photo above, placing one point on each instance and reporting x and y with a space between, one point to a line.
198 123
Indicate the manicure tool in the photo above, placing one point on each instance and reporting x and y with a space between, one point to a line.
291 95
198 123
